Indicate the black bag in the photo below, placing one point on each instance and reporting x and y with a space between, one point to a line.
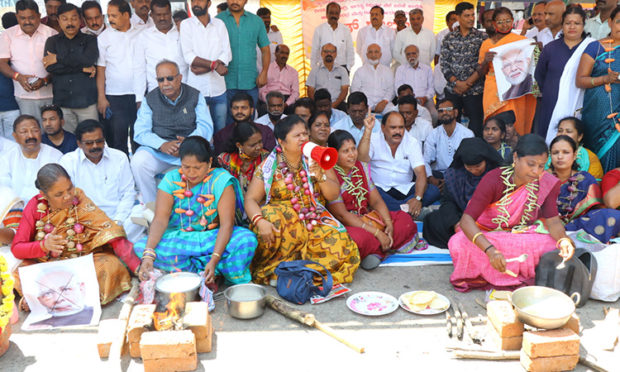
578 275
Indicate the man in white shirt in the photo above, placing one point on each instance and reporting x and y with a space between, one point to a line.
20 164
417 127
207 61
93 18
330 76
376 80
553 20
416 35
104 175
538 21
336 34
115 90
420 77
323 102
153 45
395 158
273 34
443 141
22 46
282 78
407 90
275 109
140 17
358 112
376 33
598 27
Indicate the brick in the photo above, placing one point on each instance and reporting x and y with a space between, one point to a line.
197 318
555 342
204 345
503 343
504 319
171 364
549 364
141 320
573 324
167 344
109 331
134 349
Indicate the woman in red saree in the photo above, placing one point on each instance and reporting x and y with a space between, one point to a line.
501 221
61 222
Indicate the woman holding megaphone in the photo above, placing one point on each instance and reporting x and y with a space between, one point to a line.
293 223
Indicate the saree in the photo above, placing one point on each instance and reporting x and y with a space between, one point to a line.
586 161
99 235
601 135
508 224
355 188
189 240
328 243
523 107
232 163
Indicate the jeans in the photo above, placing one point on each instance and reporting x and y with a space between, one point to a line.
231 92
218 107
394 198
472 107
32 106
74 116
120 126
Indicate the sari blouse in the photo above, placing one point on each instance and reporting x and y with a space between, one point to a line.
578 194
355 188
232 163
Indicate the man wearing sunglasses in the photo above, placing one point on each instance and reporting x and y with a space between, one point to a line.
168 114
104 174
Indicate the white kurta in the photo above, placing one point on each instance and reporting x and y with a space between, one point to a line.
376 83
425 41
384 37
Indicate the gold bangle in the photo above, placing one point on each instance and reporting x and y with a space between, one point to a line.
216 254
592 81
376 232
476 236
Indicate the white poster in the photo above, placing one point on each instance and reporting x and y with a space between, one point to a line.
514 69
61 293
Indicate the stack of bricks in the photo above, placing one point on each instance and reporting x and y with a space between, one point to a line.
552 350
503 327
167 351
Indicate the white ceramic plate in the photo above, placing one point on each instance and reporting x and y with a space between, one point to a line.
428 310
372 303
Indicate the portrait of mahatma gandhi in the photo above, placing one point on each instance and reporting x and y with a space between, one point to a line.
516 68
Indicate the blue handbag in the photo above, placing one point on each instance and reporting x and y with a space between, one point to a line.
296 281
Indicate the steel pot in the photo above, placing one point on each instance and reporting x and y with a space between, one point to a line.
245 301
181 282
543 307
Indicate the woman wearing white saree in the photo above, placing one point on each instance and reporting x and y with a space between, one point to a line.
556 73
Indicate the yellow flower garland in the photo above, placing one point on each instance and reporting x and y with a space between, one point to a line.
6 294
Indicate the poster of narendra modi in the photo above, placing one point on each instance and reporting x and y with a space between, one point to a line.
514 69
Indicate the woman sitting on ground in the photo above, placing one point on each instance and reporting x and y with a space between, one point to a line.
361 209
472 160
319 128
494 133
610 186
500 222
61 222
285 205
243 153
194 225
580 194
586 159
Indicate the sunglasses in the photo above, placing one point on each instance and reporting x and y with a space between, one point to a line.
169 78
97 141
445 109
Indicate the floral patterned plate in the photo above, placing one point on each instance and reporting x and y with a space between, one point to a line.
372 303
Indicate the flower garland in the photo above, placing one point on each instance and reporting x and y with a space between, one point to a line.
74 227
609 49
503 216
308 215
6 294
205 201
354 185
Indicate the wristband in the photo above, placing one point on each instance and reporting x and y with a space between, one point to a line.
489 247
15 76
213 65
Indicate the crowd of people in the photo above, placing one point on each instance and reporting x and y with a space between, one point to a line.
160 141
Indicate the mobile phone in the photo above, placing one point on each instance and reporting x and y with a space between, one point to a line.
108 113
530 21
404 207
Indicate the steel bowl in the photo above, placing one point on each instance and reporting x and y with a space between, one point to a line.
543 307
245 301
181 282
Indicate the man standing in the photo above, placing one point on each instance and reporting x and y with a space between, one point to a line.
330 76
19 165
104 174
153 45
53 130
459 62
71 57
273 34
275 110
358 113
22 46
242 109
245 32
140 18
538 21
419 77
400 20
93 17
9 111
376 33
598 27
553 19
282 78
417 126
336 34
417 35
51 9
376 80
207 61
116 99
168 115
451 19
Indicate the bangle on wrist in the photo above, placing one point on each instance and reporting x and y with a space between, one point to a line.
476 236
489 247
15 76
376 232
216 255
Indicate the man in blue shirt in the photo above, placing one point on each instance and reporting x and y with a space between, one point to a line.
53 122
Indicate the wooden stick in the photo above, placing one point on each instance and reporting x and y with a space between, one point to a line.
459 321
469 327
500 355
307 319
448 323
116 348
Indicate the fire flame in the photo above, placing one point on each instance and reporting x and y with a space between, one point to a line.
171 318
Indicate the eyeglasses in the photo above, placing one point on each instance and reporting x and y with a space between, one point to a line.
90 143
445 109
169 78
506 22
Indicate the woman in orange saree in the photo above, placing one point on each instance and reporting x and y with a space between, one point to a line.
524 107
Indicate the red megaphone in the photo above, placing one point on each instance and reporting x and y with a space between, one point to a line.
325 156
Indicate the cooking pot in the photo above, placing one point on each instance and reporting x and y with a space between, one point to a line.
543 307
245 301
180 282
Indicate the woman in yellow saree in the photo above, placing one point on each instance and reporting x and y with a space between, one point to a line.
524 107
